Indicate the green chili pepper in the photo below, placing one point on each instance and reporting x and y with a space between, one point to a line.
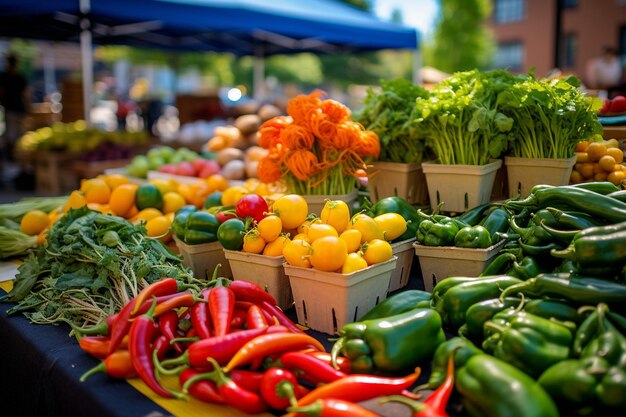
577 289
599 187
529 342
392 344
535 250
399 303
458 299
439 290
573 220
473 216
497 221
462 349
491 387
598 250
499 264
478 314
473 237
527 268
619 195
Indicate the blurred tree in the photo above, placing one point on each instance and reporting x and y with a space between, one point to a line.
462 40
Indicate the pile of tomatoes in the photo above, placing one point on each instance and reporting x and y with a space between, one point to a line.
599 161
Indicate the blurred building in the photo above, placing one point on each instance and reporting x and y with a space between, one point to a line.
563 34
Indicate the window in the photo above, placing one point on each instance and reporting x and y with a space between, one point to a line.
568 51
506 11
510 56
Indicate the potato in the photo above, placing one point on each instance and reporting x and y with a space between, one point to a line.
248 123
229 154
268 111
251 169
234 170
255 153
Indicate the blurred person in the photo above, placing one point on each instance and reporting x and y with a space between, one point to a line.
14 99
604 72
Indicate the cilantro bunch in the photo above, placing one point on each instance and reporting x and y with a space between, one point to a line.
550 116
91 266
387 113
461 119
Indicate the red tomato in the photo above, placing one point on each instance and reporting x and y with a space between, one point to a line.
618 104
606 105
252 205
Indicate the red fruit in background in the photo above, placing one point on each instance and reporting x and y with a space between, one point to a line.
618 104
222 216
198 164
168 169
185 168
606 105
252 205
210 168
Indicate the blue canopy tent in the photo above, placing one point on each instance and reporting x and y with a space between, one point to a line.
243 27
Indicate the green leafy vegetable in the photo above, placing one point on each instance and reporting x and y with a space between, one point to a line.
15 243
15 211
387 113
91 265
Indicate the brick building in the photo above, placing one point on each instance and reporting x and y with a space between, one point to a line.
564 34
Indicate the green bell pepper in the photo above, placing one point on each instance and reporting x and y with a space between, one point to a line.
497 221
458 299
491 387
180 220
399 303
527 268
473 237
478 314
529 342
200 227
393 344
462 349
553 309
443 286
437 230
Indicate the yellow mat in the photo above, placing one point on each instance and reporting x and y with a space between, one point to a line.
189 408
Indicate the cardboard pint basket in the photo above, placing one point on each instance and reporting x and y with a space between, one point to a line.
203 258
391 179
316 202
524 173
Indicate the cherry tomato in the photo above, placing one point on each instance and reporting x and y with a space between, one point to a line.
328 253
318 230
352 237
376 251
253 242
337 214
275 247
270 227
368 227
354 262
297 253
251 205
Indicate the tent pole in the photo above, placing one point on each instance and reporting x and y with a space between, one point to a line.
258 79
417 61
86 54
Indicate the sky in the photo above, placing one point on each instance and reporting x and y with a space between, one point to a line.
419 14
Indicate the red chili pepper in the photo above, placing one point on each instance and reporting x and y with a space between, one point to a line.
139 343
98 346
342 363
161 346
221 305
436 403
238 320
268 344
249 291
359 387
168 324
236 396
243 305
185 299
165 286
315 370
280 316
249 380
278 388
121 325
204 389
200 316
255 317
117 365
147 304
331 407
221 348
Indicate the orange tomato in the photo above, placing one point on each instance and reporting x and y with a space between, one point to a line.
354 262
596 150
270 227
297 253
75 200
586 170
617 154
34 222
328 253
575 177
352 237
318 230
582 146
217 183
123 199
253 242
376 251
616 177
582 157
337 214
115 180
607 163
96 190
275 247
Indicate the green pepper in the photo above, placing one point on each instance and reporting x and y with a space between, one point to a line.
478 314
202 221
212 200
553 309
230 234
473 237
399 303
573 383
574 288
529 342
541 249
439 290
599 187
475 216
180 220
198 237
574 220
441 234
462 349
458 299
598 250
491 387
527 268
597 336
393 344
403 208
422 230
497 221
499 264
619 195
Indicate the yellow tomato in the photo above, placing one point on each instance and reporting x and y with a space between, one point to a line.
292 210
304 227
34 222
115 180
158 227
297 253
368 227
328 253
75 200
393 225
96 190
253 242
123 199
270 227
337 214
146 215
164 186
172 201
217 183
319 230
275 247
377 251
352 237
354 262
232 195
301 236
